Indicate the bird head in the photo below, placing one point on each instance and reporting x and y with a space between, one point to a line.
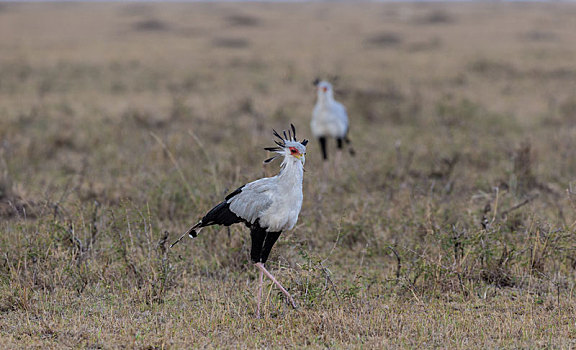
324 89
288 146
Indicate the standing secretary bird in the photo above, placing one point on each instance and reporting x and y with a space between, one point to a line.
267 206
329 118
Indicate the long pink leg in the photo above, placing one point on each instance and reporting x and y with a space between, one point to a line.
259 293
263 269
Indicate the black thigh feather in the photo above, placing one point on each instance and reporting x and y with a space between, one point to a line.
322 140
262 242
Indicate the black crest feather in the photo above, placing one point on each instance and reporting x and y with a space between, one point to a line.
270 159
277 134
273 149
281 142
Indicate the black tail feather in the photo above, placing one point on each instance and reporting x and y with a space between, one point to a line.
191 233
219 215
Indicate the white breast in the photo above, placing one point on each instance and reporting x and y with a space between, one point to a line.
287 199
329 119
283 214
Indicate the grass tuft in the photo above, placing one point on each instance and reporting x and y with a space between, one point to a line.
452 227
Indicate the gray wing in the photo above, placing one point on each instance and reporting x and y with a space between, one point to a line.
252 199
340 112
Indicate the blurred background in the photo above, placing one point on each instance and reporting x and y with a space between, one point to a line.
122 123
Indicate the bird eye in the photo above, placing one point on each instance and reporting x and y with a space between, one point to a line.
293 150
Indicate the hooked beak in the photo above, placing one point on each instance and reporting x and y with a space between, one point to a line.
300 157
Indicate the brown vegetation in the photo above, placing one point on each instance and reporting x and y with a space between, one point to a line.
453 227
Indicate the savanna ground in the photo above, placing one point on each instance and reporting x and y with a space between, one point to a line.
454 225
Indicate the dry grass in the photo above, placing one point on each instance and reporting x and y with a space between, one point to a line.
454 226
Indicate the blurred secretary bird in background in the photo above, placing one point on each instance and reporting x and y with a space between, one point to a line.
329 119
267 206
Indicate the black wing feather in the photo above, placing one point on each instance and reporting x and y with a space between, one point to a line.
237 191
221 215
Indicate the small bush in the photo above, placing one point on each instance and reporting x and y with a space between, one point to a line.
231 43
384 40
242 21
151 25
436 17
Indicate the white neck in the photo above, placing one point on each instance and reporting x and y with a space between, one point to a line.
291 172
325 98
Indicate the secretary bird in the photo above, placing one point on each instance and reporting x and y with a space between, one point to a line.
267 206
329 118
